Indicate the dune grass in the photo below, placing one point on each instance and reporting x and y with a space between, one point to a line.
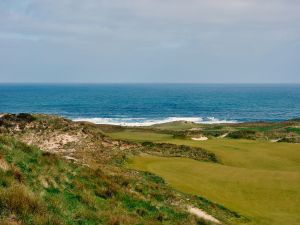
41 188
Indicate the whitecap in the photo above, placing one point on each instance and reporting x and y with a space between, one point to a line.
136 122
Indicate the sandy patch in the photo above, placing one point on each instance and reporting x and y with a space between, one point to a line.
44 182
201 214
223 135
195 129
58 141
70 158
3 165
203 138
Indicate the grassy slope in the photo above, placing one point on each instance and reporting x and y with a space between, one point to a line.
41 188
92 187
258 179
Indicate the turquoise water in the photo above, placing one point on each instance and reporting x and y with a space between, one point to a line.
138 104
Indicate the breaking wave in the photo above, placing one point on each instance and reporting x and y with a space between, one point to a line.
149 122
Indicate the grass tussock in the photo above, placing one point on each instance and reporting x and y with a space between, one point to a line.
17 199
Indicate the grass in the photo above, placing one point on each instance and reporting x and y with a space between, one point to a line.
141 136
256 178
264 196
294 129
254 154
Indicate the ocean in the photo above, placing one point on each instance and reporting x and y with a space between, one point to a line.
147 104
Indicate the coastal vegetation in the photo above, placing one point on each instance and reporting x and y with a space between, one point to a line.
55 171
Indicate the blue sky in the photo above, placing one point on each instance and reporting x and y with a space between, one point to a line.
194 41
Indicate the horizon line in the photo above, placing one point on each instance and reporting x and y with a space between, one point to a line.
195 83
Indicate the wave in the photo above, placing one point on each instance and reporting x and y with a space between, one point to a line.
137 122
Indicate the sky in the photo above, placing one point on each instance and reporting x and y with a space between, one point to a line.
155 41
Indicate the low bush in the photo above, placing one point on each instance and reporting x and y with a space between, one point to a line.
246 134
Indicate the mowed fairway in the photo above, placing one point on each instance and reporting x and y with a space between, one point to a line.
258 179
264 196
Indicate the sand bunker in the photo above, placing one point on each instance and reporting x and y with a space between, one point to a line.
275 140
203 138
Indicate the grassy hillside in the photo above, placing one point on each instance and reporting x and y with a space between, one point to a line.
55 171
40 188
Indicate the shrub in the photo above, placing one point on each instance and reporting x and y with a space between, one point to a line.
247 134
290 140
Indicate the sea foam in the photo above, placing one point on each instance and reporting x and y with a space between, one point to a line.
149 122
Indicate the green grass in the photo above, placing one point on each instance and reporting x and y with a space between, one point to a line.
231 152
257 179
140 136
264 196
251 154
294 129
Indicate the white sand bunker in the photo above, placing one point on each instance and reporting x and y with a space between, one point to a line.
201 214
202 138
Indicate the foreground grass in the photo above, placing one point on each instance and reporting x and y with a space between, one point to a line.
264 196
41 188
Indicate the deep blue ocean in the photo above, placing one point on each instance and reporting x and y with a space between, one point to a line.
145 104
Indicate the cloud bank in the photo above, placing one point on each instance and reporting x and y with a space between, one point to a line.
149 41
